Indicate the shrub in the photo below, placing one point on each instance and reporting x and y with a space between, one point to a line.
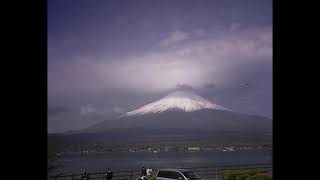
250 174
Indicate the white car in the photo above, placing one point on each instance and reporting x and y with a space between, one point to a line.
181 174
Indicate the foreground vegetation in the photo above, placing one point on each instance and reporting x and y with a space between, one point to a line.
249 174
53 158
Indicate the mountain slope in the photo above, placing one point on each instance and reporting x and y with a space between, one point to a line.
181 116
177 101
201 120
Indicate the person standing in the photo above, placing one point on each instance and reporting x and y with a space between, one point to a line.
109 174
85 176
143 171
149 172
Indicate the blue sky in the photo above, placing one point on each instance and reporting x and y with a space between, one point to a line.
108 57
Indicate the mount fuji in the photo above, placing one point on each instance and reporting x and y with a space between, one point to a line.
185 101
181 114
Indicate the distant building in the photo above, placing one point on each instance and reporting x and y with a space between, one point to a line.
166 149
207 149
230 148
85 152
193 148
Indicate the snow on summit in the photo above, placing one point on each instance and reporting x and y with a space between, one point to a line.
180 100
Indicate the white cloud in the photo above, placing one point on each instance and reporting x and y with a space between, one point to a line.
174 37
118 110
235 26
196 63
87 109
200 32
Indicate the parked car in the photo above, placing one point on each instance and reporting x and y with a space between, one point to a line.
181 174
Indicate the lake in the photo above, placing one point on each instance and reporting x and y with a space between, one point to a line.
135 160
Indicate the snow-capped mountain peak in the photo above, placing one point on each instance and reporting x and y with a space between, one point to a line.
186 101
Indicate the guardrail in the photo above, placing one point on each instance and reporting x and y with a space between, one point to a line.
212 173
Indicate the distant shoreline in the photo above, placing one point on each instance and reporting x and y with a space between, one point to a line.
155 152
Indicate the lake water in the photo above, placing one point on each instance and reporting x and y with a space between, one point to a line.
135 160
